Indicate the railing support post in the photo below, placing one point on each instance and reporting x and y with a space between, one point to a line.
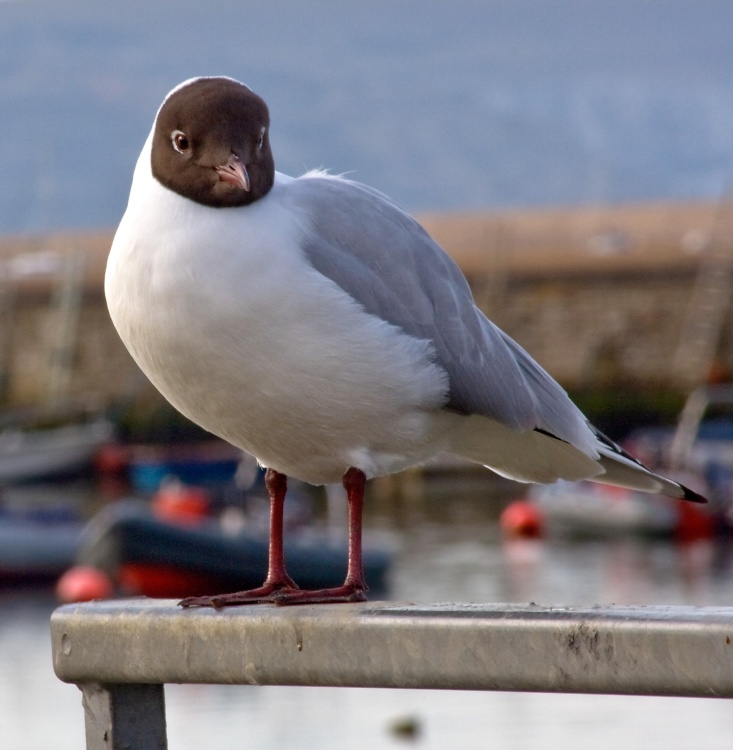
124 717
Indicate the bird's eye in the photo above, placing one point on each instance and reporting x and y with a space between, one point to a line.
180 141
261 139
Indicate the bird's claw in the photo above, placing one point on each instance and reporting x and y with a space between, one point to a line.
345 594
261 595
282 596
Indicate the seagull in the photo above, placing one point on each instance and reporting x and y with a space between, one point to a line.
314 324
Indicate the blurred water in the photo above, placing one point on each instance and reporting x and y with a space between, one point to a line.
449 551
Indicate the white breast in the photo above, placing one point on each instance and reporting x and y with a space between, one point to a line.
225 316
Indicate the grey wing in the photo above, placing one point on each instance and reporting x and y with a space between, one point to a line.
384 259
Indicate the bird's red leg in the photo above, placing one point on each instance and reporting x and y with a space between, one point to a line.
277 578
354 587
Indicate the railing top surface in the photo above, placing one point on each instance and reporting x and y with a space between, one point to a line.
113 609
610 649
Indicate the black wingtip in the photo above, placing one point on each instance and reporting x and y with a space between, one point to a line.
692 496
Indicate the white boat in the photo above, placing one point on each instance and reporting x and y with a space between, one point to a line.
27 454
596 510
698 452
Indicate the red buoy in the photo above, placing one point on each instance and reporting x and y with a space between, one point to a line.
83 583
522 519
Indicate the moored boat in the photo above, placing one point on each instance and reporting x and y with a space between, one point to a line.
31 454
144 554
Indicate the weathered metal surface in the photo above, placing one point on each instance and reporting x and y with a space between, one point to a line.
123 717
683 651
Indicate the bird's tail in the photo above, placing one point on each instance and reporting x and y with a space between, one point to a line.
623 470
538 456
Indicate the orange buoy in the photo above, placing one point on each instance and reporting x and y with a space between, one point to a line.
176 502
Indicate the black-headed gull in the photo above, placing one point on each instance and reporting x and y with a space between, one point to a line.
314 324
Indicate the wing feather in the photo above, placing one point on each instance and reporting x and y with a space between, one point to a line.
383 258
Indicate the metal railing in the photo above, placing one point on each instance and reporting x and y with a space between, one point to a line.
121 653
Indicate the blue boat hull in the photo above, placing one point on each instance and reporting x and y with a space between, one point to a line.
128 534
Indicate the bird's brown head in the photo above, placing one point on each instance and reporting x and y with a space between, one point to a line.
211 143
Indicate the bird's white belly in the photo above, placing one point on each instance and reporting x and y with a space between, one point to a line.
249 341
